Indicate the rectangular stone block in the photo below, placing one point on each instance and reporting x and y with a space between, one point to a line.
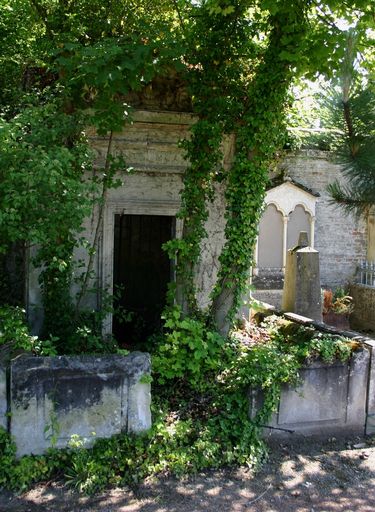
363 316
330 399
4 362
321 397
358 388
53 398
370 420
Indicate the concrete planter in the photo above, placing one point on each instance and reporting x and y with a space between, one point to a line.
53 398
340 321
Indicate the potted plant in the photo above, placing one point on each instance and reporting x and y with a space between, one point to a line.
337 307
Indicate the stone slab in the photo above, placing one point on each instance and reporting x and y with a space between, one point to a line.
321 397
53 398
370 420
330 399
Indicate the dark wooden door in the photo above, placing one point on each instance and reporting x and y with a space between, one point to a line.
142 272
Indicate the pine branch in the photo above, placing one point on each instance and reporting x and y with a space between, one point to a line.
349 199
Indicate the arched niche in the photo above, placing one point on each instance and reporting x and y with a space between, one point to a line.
270 242
290 208
299 220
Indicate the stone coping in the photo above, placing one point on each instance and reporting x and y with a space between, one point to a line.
319 326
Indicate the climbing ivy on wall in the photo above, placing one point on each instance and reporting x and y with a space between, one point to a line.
238 59
250 106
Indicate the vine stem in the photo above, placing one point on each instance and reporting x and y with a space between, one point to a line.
99 223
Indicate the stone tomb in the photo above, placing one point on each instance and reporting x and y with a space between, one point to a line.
53 398
330 399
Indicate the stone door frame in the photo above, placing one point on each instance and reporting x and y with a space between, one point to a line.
127 207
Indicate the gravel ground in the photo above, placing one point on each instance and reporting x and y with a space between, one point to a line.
307 476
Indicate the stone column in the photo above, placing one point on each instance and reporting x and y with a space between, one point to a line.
312 231
285 238
302 294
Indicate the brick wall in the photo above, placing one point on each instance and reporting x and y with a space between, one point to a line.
339 238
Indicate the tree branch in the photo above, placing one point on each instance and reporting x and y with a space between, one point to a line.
179 14
90 264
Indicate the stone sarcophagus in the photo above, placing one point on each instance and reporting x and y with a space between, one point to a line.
53 398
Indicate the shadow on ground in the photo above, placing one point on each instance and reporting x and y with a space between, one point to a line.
308 476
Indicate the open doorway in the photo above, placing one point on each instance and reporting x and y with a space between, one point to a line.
141 273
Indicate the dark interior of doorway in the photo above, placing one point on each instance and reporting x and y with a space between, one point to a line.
142 271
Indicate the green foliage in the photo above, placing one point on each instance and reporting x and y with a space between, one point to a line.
43 196
88 56
355 149
306 343
20 474
203 152
200 417
348 109
187 349
14 333
80 331
74 63
258 137
84 335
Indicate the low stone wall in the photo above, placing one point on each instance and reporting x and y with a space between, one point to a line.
273 297
363 316
53 398
331 398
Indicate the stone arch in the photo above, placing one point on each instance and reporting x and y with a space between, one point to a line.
299 220
270 242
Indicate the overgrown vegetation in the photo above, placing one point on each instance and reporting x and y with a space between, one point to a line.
65 71
14 333
73 64
200 408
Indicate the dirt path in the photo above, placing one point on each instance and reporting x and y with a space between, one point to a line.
306 477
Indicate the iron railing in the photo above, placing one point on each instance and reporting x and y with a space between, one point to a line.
366 273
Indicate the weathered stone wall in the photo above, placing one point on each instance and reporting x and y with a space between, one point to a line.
151 147
339 238
53 398
329 399
363 316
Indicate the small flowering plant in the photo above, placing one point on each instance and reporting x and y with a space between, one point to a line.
337 302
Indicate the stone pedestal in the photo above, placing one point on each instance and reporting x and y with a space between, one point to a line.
302 294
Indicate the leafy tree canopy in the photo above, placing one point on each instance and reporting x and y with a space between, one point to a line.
93 45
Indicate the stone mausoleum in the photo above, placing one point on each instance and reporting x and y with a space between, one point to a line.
140 216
